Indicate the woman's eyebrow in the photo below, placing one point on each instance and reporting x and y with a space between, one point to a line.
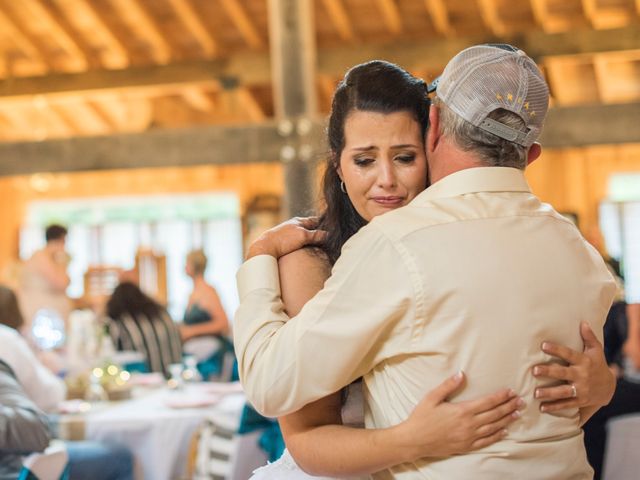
405 145
364 149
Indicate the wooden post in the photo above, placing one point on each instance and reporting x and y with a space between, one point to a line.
293 65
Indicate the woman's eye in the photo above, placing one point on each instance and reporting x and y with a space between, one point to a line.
405 158
363 161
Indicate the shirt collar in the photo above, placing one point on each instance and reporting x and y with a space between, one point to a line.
474 180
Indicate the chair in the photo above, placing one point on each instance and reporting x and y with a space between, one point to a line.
223 454
52 464
621 461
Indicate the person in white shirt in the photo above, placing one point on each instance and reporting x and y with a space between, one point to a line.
43 388
351 332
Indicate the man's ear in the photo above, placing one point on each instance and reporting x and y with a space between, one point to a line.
433 133
534 152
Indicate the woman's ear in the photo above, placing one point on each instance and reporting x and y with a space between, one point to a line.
336 163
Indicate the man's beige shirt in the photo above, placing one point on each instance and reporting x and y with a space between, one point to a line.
473 274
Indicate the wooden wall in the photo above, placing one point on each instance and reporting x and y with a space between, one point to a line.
17 192
576 180
571 180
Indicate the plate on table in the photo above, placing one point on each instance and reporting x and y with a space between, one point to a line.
74 406
221 388
147 379
193 400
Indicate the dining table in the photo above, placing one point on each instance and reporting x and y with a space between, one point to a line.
157 424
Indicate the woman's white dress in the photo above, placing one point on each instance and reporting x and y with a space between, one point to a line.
285 468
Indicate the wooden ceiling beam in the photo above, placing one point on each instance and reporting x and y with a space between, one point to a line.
141 21
340 19
188 16
196 98
251 105
391 15
65 33
243 23
117 54
564 127
437 9
21 39
254 69
491 17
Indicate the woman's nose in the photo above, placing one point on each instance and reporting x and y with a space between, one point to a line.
387 175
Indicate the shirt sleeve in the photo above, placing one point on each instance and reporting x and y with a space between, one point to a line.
23 428
42 387
360 317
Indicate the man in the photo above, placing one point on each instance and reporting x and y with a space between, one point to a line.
45 280
473 274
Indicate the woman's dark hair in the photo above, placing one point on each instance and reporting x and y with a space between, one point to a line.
375 86
10 314
127 298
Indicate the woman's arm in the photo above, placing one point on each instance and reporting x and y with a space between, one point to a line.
587 371
436 428
219 323
322 446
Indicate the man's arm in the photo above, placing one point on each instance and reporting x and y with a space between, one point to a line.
23 428
340 334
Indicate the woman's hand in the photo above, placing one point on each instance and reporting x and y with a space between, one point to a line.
438 428
588 381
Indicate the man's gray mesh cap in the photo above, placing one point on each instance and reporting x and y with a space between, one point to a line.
483 78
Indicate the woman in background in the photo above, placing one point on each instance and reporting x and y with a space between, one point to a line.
205 327
138 323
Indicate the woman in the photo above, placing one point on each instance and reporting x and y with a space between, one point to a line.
140 324
376 137
205 325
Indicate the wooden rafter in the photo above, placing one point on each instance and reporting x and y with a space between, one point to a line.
64 32
391 15
117 55
31 19
491 17
18 36
340 19
243 23
187 14
249 69
197 99
251 105
540 13
608 16
85 118
140 20
437 9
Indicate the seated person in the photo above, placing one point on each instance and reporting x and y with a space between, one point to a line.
622 347
95 460
23 427
138 323
206 327
41 386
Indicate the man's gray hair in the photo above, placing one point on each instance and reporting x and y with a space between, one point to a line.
491 149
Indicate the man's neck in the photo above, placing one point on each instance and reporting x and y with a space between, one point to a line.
450 159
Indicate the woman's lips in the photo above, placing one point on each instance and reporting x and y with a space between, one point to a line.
388 201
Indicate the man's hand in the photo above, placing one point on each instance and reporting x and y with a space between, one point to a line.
287 237
588 381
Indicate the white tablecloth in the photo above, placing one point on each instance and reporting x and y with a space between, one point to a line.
158 436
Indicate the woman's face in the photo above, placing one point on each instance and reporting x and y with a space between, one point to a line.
383 163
